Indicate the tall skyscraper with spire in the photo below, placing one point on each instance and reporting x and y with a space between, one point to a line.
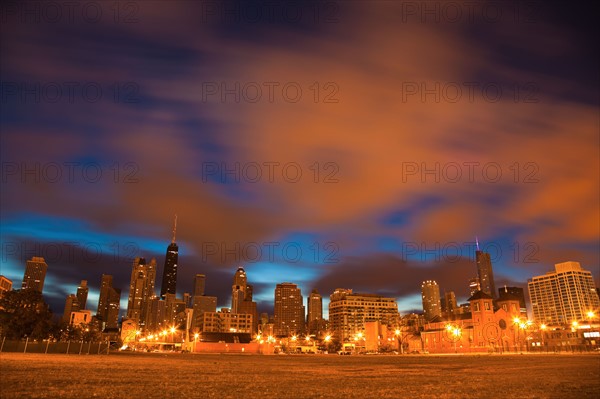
169 280
485 273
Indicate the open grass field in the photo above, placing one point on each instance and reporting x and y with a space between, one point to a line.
157 375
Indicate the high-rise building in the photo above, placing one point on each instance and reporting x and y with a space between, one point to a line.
35 274
238 289
241 297
315 311
82 294
199 284
474 286
5 284
348 312
107 282
485 273
113 305
430 294
289 309
449 305
71 305
187 299
109 302
141 289
156 314
564 295
169 280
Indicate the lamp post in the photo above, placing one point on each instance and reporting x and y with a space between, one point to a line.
196 335
518 325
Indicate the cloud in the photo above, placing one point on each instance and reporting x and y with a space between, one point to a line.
353 152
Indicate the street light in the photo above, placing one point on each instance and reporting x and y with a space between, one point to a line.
398 335
590 316
517 322
574 325
172 337
196 335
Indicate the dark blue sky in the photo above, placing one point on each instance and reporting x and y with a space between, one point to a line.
361 145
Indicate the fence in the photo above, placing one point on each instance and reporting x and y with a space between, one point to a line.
68 348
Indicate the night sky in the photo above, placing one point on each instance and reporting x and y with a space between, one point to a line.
310 131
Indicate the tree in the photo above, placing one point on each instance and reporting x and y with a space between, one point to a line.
24 313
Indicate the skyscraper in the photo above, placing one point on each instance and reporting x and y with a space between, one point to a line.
485 273
289 309
82 294
199 284
169 280
71 305
141 289
430 294
474 286
241 297
113 305
109 302
106 283
449 306
564 295
315 310
35 274
238 289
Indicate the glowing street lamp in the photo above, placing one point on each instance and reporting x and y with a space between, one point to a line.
518 325
327 338
196 335
172 337
590 316
456 332
398 335
574 325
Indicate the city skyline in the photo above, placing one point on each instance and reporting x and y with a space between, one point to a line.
479 263
143 281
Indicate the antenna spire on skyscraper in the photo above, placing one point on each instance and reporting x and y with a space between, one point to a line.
477 242
174 229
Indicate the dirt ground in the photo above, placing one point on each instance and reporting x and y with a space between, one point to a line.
145 376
